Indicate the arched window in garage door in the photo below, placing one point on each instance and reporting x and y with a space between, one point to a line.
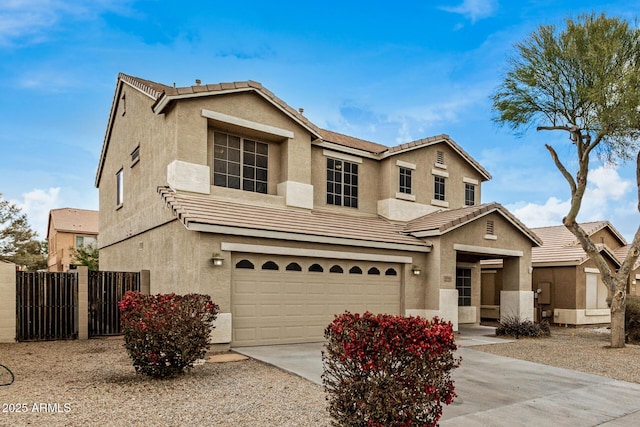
355 270
316 268
336 269
373 271
270 265
294 266
390 272
245 264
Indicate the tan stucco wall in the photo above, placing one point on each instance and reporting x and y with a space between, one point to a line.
182 133
60 254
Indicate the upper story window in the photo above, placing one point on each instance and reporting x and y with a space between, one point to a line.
240 163
342 183
119 187
135 156
85 241
469 194
438 187
405 181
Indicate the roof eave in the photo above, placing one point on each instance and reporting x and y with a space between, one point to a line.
299 237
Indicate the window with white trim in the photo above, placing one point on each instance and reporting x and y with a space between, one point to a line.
463 285
469 194
438 187
120 187
342 183
240 163
404 180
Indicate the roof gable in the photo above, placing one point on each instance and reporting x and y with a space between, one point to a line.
442 222
560 246
81 221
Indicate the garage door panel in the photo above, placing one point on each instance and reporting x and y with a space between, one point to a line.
272 307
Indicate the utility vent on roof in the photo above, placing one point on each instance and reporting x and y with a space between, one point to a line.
440 157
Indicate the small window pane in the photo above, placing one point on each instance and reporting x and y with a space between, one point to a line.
316 268
245 264
355 270
294 266
270 265
390 272
336 269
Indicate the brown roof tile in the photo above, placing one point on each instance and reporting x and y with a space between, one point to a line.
74 220
350 141
561 246
206 210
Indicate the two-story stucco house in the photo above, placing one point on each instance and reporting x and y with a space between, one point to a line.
226 190
69 229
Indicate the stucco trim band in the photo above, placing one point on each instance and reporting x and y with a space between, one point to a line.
284 250
247 124
485 250
267 234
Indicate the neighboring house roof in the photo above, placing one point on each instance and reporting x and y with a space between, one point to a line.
622 252
441 222
163 95
70 220
207 214
561 247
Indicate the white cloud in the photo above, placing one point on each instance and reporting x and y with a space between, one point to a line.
474 9
28 20
36 205
602 201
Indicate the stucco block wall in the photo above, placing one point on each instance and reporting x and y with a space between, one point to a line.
7 302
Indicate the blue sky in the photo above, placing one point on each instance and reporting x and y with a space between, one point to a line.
388 72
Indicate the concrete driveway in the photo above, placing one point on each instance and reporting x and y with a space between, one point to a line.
499 391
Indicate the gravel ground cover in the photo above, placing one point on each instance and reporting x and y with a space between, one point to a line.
70 383
74 383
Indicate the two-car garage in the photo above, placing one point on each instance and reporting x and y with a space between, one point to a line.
282 299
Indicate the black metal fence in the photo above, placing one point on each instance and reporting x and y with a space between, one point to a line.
46 305
106 289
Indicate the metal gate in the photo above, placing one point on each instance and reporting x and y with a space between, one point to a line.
106 289
46 305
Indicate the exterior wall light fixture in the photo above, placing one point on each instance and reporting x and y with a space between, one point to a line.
416 270
217 259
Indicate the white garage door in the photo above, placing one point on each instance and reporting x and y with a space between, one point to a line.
278 300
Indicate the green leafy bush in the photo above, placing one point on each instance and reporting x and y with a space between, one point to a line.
383 370
632 319
166 333
513 326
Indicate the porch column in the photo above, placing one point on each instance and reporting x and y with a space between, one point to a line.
516 298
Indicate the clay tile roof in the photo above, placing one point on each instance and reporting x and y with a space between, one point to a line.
443 221
193 209
153 89
350 141
74 220
561 246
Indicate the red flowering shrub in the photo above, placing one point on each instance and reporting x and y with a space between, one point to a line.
166 333
383 370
